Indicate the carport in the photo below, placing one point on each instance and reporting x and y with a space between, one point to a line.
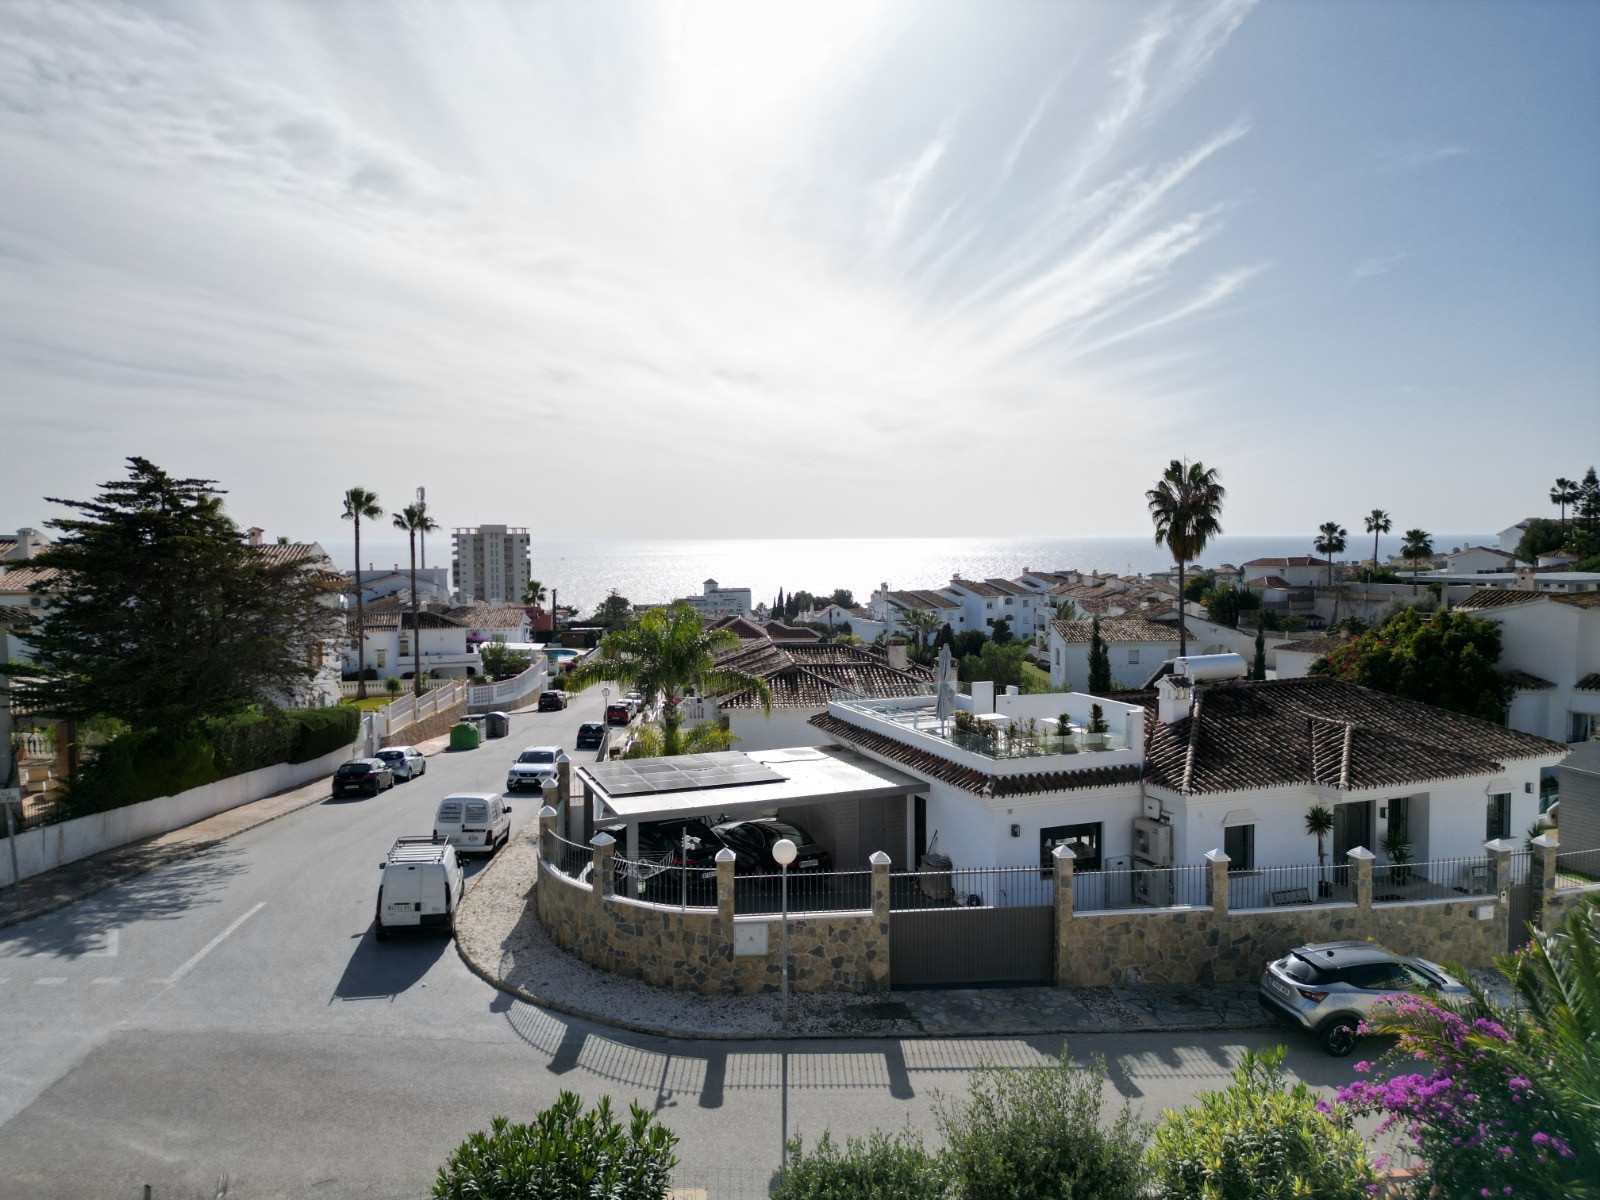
824 781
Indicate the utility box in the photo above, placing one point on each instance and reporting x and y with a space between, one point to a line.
936 883
1152 842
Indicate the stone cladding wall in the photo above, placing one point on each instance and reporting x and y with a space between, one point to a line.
1559 903
429 727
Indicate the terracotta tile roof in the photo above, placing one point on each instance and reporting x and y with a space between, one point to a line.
489 616
1243 735
779 632
1317 645
976 588
1287 562
1478 550
1277 581
921 600
23 579
1576 599
400 620
1499 598
741 626
805 675
1009 588
1116 629
931 766
277 555
1523 681
1589 683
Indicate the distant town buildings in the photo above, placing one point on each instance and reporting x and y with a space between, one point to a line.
490 564
715 598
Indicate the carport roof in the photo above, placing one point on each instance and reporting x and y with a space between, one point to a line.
804 775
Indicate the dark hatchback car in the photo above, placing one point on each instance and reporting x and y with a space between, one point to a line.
752 842
552 701
367 776
590 735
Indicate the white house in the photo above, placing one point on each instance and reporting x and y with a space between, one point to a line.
1509 537
1477 560
888 608
390 653
983 602
508 623
715 598
1297 572
323 657
433 583
1136 648
1294 658
1552 641
22 545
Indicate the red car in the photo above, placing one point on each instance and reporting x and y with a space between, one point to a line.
618 714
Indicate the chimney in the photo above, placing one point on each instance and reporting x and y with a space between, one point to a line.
897 654
254 534
1173 695
1525 580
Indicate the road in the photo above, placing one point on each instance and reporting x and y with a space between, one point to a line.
232 1016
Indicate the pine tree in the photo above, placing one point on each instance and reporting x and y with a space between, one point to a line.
1099 662
1258 668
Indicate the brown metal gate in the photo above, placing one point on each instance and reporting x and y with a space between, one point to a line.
963 928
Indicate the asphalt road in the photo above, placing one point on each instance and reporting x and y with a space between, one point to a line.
232 1017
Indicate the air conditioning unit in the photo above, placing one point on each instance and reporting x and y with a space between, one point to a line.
1152 842
1153 888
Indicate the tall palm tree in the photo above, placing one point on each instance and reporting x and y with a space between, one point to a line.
661 652
1418 545
1186 506
1330 540
923 622
1377 522
533 593
359 503
1565 492
414 520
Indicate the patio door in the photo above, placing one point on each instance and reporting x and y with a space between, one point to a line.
1352 827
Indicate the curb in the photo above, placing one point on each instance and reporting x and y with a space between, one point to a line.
488 976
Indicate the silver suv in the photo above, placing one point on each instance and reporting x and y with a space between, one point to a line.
1330 987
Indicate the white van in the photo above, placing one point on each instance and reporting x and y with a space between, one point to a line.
422 887
473 821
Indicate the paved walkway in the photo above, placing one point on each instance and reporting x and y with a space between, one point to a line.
73 881
501 939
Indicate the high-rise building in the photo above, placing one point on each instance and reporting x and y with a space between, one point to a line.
490 563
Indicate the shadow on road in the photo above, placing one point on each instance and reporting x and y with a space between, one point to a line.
83 928
382 971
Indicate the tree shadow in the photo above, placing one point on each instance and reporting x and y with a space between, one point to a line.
382 971
161 890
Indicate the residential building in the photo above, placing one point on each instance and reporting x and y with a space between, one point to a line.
1550 642
22 545
1509 537
390 654
1297 572
889 608
1580 798
322 688
25 592
1135 646
1294 658
1477 560
509 623
433 583
490 564
714 598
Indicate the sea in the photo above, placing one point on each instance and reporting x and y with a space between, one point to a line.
583 571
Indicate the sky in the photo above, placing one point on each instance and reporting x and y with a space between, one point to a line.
928 267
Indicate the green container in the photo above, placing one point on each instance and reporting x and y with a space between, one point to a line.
464 736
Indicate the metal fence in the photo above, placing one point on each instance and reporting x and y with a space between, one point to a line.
972 887
663 883
572 859
1577 868
809 891
1438 879
1275 887
1151 887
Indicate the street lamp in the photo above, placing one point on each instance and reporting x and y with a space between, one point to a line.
605 699
783 852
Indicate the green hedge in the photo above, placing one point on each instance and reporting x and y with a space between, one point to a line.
142 765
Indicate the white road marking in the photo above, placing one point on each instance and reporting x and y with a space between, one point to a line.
107 979
50 981
194 961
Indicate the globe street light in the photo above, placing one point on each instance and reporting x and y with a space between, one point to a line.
783 853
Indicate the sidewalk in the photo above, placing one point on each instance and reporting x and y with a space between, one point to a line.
501 940
73 881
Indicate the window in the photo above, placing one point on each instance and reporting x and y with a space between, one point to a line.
382 656
1008 599
1083 840
1498 824
1133 654
1239 844
1582 728
1400 817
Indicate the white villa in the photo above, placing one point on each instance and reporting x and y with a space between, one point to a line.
444 648
1136 648
1550 643
717 600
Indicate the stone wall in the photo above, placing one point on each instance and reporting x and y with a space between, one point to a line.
693 949
429 727
1559 902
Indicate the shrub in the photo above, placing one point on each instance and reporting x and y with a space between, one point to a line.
140 766
1036 1134
1260 1140
564 1154
879 1166
249 742
322 730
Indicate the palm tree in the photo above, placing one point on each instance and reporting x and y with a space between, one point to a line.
1418 545
661 652
1565 492
923 622
1330 540
359 503
1319 824
1377 522
414 520
533 593
1186 506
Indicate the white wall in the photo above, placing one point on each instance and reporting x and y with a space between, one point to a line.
43 849
784 727
975 832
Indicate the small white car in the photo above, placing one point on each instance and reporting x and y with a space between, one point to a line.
478 821
532 767
422 886
636 701
405 761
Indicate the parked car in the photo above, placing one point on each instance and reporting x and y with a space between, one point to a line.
552 701
635 701
405 762
683 842
1328 988
619 713
369 775
532 767
421 888
590 735
752 842
473 821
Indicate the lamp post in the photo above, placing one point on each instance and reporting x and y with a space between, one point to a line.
783 852
605 699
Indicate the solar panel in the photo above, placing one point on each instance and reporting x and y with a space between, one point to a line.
684 773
